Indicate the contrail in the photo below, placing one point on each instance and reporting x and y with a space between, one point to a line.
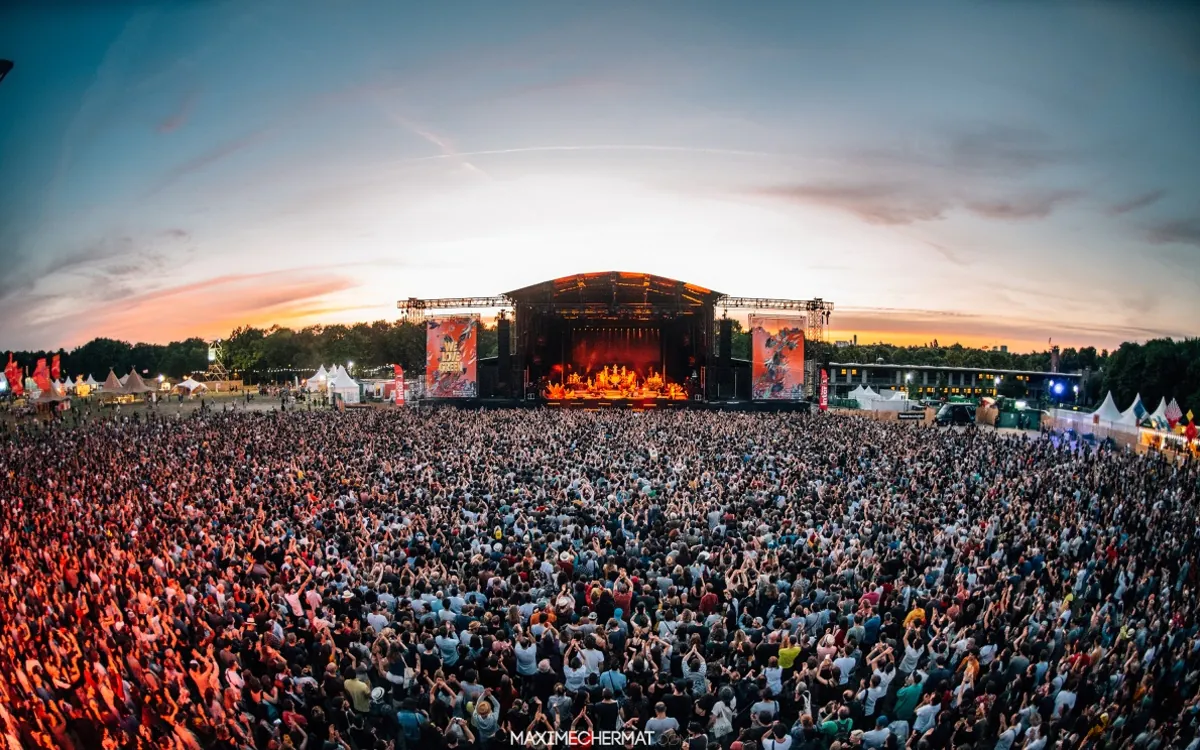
443 144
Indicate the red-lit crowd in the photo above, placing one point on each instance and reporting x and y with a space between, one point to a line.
472 579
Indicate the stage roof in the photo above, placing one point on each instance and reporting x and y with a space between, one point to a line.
615 287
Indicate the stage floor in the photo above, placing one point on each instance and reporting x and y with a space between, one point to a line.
626 404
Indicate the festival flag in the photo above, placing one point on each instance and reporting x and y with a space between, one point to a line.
398 384
1173 414
12 373
824 405
41 375
55 370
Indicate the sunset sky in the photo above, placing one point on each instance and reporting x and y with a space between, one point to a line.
992 173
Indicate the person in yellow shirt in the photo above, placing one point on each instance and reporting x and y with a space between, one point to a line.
358 689
916 617
788 651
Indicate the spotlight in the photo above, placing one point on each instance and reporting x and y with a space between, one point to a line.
1058 389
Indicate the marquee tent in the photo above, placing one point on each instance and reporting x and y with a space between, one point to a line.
124 379
1161 411
134 384
91 382
343 385
1158 418
112 384
1108 411
318 379
862 393
191 386
51 396
1134 414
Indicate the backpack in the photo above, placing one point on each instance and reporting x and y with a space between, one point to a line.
843 730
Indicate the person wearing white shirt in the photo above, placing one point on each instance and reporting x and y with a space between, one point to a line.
1034 739
845 664
878 736
1008 735
593 658
926 715
1063 703
233 676
871 694
377 621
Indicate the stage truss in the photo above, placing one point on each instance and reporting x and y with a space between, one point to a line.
816 311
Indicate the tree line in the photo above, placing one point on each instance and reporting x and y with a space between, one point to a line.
258 355
1156 369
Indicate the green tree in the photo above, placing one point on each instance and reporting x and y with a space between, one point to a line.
243 348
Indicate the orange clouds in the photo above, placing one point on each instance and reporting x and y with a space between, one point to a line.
915 327
208 308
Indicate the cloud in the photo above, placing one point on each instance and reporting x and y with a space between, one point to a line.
1175 231
1033 206
1001 148
906 327
949 254
207 159
988 150
888 204
100 263
204 308
1136 202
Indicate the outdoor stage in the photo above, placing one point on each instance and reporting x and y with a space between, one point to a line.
615 340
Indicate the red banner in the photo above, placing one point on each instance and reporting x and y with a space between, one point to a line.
824 390
398 384
55 370
41 375
12 373
451 357
777 367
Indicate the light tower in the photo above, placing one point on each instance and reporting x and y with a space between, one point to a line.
216 368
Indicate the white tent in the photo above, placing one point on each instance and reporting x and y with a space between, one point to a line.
66 385
191 386
1108 411
1158 419
1161 411
343 385
317 381
124 378
91 382
859 393
1133 415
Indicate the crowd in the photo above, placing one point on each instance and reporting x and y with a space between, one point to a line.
442 578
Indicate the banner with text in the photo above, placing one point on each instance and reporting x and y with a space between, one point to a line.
777 366
398 384
451 356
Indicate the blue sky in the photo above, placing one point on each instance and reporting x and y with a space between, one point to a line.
991 173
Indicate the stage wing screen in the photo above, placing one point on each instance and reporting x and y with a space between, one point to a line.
451 357
778 358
